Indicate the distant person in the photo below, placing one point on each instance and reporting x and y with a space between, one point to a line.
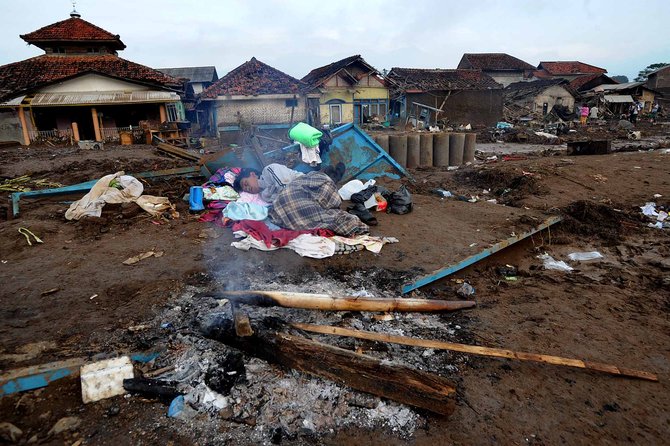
583 114
654 112
594 113
633 111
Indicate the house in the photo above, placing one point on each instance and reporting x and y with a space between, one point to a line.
257 94
196 80
568 70
502 67
659 81
80 88
461 96
351 91
632 90
537 98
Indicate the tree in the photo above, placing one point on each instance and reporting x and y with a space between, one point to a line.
644 74
620 79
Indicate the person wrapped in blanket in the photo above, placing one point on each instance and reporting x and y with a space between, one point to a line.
301 201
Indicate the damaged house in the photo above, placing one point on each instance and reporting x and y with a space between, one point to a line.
256 94
196 80
617 98
529 100
659 81
351 91
80 88
459 96
502 67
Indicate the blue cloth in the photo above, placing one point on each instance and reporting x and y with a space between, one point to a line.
245 211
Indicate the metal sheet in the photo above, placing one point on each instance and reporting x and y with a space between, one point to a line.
363 158
618 98
109 97
13 102
444 272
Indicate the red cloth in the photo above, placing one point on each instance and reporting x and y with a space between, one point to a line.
278 238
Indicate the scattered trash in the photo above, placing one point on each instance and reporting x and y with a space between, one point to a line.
179 409
104 379
26 233
10 433
504 125
657 195
599 178
353 187
546 135
442 193
51 291
466 290
450 168
659 215
145 255
93 297
65 424
550 263
165 391
508 270
582 256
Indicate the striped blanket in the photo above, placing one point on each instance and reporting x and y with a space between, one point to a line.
311 201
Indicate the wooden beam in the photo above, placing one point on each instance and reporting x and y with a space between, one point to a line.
395 382
96 124
24 127
339 303
477 350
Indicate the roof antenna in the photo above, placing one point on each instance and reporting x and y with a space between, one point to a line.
74 14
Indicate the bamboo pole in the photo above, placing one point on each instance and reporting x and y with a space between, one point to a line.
340 303
477 350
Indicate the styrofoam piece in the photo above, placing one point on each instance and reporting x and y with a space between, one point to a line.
104 379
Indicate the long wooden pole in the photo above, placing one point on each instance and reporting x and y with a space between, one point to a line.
339 303
477 350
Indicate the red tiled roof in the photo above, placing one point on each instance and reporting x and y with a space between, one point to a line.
569 67
493 61
254 78
73 29
320 75
31 74
581 81
439 79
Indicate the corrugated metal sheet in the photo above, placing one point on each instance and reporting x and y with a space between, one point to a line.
108 97
618 98
12 103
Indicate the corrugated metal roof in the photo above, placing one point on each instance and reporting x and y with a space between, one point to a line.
108 97
13 103
193 74
621 86
618 98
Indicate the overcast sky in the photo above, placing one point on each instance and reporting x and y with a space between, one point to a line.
296 36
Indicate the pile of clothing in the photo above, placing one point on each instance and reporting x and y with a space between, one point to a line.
304 217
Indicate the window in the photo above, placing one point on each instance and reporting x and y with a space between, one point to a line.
335 114
175 111
291 102
372 108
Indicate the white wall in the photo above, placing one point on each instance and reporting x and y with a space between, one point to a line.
259 111
92 82
551 95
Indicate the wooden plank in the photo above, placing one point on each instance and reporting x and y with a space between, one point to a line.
176 151
340 303
478 350
395 382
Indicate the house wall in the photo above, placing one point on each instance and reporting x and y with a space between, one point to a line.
477 107
660 80
506 77
368 87
551 96
10 126
92 82
258 110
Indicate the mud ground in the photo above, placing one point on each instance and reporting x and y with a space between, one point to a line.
613 310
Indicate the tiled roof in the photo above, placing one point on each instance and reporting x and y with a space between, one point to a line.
521 90
318 76
439 79
31 74
588 80
493 61
73 29
193 74
254 78
569 67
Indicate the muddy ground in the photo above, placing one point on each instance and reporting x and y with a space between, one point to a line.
71 297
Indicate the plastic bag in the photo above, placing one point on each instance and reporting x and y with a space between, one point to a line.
352 187
550 263
399 202
581 256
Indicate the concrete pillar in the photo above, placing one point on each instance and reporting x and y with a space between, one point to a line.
413 151
162 112
470 145
96 124
398 149
75 131
383 142
24 127
441 149
426 150
456 147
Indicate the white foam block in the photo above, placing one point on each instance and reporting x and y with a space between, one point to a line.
104 379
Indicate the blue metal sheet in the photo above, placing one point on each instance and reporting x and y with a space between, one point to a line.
444 272
364 159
